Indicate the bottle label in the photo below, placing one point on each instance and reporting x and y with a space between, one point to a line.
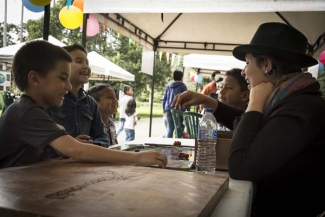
208 134
214 134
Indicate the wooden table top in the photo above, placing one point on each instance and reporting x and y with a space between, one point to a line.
68 188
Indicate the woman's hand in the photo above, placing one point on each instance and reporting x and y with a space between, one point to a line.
259 95
189 98
148 158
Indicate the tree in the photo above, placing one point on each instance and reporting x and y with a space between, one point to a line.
12 31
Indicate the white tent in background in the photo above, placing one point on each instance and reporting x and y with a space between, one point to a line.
102 68
209 63
7 53
106 70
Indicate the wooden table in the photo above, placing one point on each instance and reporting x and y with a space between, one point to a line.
64 188
237 200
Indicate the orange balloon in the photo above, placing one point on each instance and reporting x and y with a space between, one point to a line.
79 4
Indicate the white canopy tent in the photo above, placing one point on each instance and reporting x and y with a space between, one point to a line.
102 68
107 69
209 63
207 26
7 53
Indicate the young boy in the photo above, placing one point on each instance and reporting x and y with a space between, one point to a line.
79 114
107 104
41 70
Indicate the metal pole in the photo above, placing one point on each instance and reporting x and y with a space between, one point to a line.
152 88
21 23
84 30
5 27
46 26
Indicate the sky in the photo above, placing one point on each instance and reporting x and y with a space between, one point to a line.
14 12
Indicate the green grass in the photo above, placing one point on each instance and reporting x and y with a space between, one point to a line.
143 109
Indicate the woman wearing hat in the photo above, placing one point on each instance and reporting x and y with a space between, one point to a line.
279 141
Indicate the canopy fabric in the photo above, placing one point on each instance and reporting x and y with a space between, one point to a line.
212 62
201 6
206 28
104 67
7 53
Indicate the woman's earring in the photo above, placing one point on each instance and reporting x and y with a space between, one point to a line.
269 73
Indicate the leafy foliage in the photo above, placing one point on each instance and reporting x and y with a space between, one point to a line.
13 31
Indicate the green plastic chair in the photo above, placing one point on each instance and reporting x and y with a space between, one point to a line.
177 114
192 121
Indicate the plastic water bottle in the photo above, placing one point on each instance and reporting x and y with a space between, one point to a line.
207 140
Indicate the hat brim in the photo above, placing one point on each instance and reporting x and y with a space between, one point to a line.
300 59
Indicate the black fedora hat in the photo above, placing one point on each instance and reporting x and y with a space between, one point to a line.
278 40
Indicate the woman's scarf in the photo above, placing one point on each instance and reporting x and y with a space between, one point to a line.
287 85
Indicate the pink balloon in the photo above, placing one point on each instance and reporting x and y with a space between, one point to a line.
92 26
322 57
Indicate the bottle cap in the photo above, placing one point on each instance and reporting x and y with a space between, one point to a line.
210 110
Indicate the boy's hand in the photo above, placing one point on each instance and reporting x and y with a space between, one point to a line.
84 139
149 158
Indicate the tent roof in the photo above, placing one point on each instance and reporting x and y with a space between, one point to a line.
207 26
107 68
12 49
7 53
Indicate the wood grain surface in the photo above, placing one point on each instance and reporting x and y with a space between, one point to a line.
68 188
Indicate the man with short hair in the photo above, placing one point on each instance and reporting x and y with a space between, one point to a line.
171 91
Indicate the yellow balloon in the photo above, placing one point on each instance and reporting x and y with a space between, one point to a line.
71 18
40 2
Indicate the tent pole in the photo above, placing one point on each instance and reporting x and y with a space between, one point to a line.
84 30
152 87
46 25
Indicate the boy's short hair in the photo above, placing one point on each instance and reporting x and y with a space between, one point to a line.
74 47
178 75
213 75
93 91
40 56
236 73
126 89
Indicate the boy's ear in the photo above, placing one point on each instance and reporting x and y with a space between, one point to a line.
33 78
245 96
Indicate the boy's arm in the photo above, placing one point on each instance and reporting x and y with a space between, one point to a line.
91 153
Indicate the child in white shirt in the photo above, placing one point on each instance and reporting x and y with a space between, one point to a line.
130 120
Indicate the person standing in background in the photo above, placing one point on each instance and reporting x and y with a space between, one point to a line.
211 87
131 118
171 91
128 92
